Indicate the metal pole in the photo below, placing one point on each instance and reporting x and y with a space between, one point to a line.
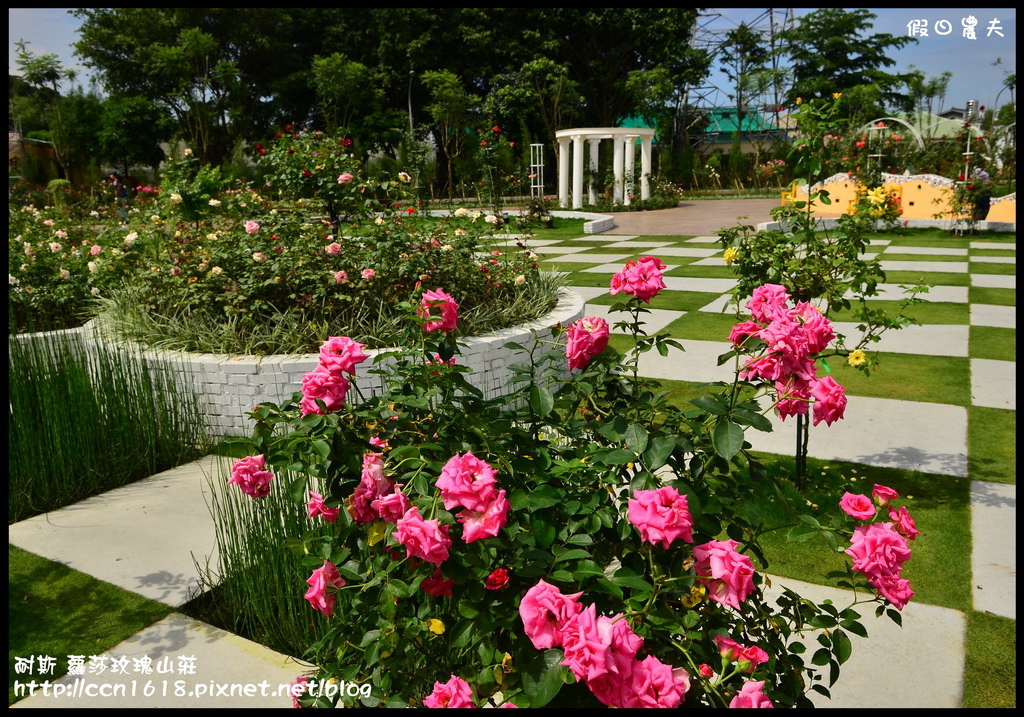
412 74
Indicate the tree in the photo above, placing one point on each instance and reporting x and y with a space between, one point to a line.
452 109
743 54
132 129
45 72
343 86
830 51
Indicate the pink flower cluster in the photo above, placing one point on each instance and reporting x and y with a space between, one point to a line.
453 694
641 278
470 482
600 651
438 300
791 337
251 476
320 595
727 574
748 657
377 497
316 506
425 539
585 339
879 549
661 515
339 356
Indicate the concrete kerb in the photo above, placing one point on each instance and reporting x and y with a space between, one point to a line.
832 222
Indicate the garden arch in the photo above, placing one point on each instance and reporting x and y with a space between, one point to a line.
624 141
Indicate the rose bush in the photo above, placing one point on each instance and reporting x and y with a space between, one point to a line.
580 541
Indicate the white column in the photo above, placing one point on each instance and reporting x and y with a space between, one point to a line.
577 171
595 145
617 168
563 172
645 167
627 163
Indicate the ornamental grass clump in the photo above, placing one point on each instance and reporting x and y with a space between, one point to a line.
582 542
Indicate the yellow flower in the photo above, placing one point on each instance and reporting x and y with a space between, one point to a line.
877 196
695 597
799 100
857 358
435 626
376 532
730 255
836 95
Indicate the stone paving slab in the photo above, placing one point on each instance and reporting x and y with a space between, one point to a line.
654 322
945 267
646 244
687 251
917 436
994 548
613 262
888 670
924 340
606 238
994 383
129 537
994 259
926 250
705 239
886 292
554 250
992 245
230 672
994 281
1003 317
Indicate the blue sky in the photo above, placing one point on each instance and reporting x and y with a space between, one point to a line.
52 30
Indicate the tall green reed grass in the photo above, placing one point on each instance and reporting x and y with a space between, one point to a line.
256 589
88 417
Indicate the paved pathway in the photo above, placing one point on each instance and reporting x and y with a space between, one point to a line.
147 537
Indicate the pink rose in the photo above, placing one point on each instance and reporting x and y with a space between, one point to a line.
345 178
794 397
467 481
295 692
641 278
438 300
251 476
728 575
340 354
859 506
597 645
454 693
96 249
742 331
316 507
251 227
894 589
751 695
320 582
903 523
768 301
585 339
333 248
661 515
497 580
728 648
423 538
878 550
817 329
545 611
325 385
368 274
436 585
340 277
373 485
883 494
657 685
829 400
485 523
391 507
705 671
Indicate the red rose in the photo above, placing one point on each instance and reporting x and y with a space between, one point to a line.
497 580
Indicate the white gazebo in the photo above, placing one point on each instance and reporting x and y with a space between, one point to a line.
624 141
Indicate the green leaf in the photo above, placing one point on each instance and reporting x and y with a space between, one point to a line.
800 533
617 457
543 530
322 447
636 438
821 657
542 677
727 439
711 405
544 497
462 634
572 555
541 400
658 451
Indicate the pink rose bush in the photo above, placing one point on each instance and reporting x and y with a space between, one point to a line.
570 537
791 336
880 549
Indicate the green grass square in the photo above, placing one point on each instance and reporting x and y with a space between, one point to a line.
992 444
990 342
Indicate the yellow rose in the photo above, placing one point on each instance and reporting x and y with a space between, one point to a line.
799 100
836 95
730 255
857 358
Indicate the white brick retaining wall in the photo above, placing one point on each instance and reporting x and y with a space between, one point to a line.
231 386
